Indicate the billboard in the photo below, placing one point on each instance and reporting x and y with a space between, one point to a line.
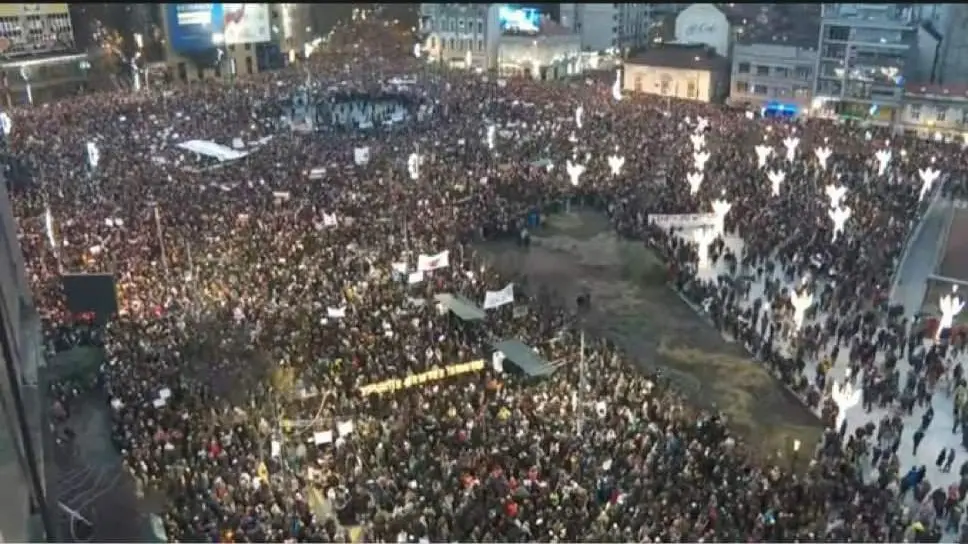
16 10
519 19
246 23
196 27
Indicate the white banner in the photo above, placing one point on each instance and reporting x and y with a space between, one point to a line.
335 312
361 155
684 220
426 263
496 299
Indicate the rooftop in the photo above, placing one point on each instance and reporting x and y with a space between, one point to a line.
682 56
936 90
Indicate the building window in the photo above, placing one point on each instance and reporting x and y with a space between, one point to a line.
803 72
200 72
916 112
638 83
480 45
248 47
743 68
460 25
782 91
800 91
762 70
433 42
480 26
760 90
460 45
691 91
942 114
248 65
182 72
782 71
742 87
218 69
964 116
452 44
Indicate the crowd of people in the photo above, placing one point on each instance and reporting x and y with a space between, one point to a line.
258 300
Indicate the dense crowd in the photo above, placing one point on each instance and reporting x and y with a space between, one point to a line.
258 297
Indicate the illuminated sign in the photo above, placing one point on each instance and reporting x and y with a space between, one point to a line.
197 27
699 28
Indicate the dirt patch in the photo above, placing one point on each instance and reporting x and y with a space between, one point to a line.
656 328
954 262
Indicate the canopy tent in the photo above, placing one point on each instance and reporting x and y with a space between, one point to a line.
460 306
524 359
211 149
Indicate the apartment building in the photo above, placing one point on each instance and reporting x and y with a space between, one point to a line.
865 51
774 78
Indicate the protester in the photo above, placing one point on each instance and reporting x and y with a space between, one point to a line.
260 295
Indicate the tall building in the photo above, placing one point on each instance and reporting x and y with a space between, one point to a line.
37 47
21 407
620 26
953 57
205 41
464 35
865 52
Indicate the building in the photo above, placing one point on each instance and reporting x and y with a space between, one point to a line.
864 53
205 41
953 54
552 53
24 415
704 24
40 62
457 33
618 27
691 72
937 111
774 78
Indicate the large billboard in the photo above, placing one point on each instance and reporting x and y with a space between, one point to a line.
196 27
246 23
16 10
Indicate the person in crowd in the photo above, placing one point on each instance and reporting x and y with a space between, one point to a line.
261 298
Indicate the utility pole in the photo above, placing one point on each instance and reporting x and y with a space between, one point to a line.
582 303
161 241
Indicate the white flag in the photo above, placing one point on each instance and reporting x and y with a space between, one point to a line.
6 124
49 227
336 312
93 155
329 219
361 155
496 299
426 263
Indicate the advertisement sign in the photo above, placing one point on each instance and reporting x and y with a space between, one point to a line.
246 23
196 27
16 10
192 26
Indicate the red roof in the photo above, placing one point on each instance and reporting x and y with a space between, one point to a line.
936 89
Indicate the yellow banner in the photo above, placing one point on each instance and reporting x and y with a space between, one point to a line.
45 9
423 378
16 10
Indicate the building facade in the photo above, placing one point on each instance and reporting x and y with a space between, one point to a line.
864 53
40 61
197 49
953 57
935 111
547 56
604 27
688 72
773 77
704 24
457 33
